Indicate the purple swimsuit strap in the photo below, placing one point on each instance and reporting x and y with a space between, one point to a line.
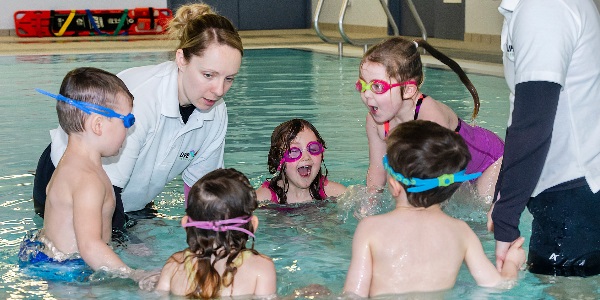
418 106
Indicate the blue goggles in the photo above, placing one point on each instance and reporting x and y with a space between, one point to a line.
421 185
89 108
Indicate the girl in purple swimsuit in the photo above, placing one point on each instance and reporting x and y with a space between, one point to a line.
391 74
295 159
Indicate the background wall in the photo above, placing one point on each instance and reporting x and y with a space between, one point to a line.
481 16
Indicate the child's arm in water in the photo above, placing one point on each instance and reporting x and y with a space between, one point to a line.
92 226
376 175
334 189
482 269
515 258
360 272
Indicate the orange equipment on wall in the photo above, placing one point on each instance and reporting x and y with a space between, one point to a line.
138 21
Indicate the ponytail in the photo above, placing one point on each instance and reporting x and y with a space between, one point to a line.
456 68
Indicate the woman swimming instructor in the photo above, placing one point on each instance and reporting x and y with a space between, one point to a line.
181 117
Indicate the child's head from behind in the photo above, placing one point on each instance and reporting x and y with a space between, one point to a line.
90 85
425 150
296 155
220 195
400 57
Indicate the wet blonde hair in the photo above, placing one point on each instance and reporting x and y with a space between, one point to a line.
197 26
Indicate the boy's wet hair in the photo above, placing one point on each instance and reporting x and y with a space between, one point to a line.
196 26
219 195
90 85
281 139
425 149
402 61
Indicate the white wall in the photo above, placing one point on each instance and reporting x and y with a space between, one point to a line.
359 12
482 16
11 6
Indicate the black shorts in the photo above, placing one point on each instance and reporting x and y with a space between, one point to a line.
43 173
565 233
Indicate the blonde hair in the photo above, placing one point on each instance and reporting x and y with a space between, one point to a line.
197 26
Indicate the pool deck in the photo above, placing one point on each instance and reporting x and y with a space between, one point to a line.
474 57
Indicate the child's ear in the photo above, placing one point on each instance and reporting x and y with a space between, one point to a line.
396 189
409 91
184 220
254 221
96 121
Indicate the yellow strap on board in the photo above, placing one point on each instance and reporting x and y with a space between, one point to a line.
67 22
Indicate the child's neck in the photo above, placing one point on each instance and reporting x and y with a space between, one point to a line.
407 108
78 146
297 194
403 204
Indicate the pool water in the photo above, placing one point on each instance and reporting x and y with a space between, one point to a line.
309 244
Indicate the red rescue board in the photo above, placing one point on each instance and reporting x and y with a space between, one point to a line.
48 23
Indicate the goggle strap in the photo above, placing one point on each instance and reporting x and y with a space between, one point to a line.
421 185
221 225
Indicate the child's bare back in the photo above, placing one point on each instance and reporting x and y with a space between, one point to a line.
250 269
417 247
414 249
78 190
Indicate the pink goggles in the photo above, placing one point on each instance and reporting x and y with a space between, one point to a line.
379 86
295 153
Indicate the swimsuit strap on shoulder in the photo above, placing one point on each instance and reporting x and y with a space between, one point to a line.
418 106
274 197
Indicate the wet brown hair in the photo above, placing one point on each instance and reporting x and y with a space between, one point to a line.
219 195
425 149
91 85
281 138
402 61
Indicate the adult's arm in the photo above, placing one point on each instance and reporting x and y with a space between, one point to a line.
526 147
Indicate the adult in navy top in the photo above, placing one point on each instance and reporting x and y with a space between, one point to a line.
552 147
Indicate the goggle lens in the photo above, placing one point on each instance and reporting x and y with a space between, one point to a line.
295 153
378 86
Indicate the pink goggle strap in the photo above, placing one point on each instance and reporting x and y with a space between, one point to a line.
221 225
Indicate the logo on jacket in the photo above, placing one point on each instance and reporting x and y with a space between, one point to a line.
510 51
187 155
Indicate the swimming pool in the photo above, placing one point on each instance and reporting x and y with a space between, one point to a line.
310 245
